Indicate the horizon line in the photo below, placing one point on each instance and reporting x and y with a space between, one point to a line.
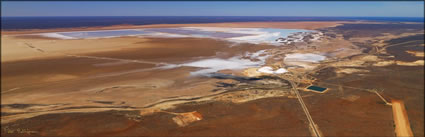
223 16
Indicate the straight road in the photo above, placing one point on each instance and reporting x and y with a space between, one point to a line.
313 127
402 124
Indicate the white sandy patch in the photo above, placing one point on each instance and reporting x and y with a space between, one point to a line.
305 60
257 39
260 55
164 35
56 35
235 63
304 57
305 65
217 64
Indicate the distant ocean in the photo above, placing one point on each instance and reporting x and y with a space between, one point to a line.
14 23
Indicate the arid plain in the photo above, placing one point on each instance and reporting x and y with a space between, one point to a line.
143 86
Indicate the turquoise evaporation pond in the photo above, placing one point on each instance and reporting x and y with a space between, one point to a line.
317 88
189 32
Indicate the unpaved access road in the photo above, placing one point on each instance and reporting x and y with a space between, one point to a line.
402 124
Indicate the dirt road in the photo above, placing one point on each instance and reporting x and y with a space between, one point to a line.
402 124
313 127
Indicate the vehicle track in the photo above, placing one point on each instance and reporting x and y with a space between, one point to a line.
314 129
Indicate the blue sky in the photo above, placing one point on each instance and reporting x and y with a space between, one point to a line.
214 8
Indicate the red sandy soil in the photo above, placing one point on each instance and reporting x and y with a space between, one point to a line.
56 78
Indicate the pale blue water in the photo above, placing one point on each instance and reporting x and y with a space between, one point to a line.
103 33
197 32
270 34
246 35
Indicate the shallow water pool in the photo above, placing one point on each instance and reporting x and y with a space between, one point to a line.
248 35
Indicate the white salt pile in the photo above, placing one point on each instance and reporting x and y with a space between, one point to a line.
269 70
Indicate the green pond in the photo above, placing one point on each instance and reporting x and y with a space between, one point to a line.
317 88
